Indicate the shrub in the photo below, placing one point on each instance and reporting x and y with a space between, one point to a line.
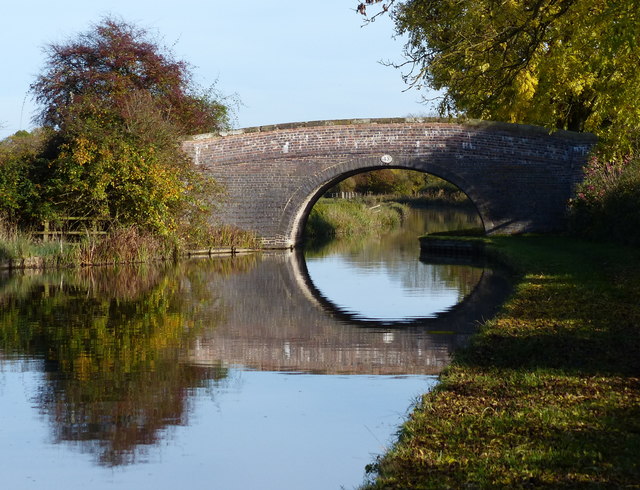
18 190
606 206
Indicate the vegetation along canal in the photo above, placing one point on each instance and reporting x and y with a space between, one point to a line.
283 370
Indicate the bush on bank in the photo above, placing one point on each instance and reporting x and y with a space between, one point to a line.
115 106
607 203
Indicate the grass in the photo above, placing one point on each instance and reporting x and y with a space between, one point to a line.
227 236
547 394
349 217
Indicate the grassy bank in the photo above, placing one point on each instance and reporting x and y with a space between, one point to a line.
346 217
121 245
548 392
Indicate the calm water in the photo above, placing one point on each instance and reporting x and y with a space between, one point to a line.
264 371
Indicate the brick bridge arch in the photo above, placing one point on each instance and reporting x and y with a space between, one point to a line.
518 177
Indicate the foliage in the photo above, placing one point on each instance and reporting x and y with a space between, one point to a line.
117 105
564 64
391 181
606 203
127 167
547 393
18 190
113 60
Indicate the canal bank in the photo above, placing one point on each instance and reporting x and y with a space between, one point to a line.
116 246
548 392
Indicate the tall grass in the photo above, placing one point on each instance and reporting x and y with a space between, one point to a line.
226 236
122 245
16 245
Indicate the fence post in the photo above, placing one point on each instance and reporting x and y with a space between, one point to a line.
45 233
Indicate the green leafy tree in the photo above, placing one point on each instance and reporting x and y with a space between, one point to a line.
391 181
119 104
564 64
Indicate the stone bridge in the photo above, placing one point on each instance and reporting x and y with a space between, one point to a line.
518 177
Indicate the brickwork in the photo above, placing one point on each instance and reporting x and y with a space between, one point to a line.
518 177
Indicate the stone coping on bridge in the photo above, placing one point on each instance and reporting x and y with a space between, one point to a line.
516 129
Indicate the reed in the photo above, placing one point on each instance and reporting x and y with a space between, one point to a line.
121 245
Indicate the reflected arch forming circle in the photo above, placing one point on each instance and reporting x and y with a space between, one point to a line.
481 303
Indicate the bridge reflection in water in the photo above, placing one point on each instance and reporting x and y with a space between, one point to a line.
286 324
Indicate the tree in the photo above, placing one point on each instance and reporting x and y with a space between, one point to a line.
113 60
564 64
118 105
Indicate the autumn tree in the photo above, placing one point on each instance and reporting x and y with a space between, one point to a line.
112 61
389 181
119 104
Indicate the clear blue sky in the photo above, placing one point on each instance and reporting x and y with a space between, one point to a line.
288 61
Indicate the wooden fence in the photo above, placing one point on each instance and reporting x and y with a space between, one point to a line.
71 226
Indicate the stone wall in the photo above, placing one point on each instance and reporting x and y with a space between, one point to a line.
519 177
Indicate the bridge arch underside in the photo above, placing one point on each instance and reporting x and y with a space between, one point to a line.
519 180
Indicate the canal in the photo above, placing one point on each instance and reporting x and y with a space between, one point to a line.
272 371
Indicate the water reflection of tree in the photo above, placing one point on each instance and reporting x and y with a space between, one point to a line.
111 342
